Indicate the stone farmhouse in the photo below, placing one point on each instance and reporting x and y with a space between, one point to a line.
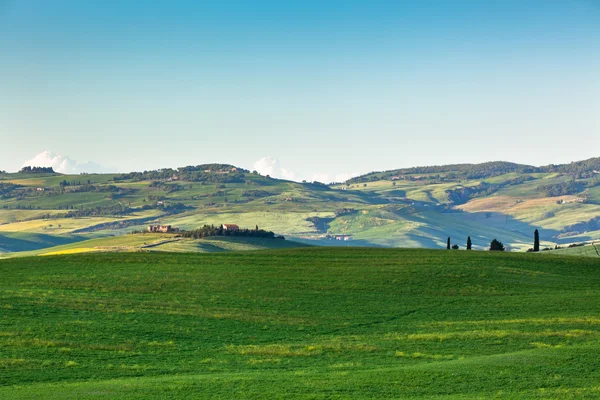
162 229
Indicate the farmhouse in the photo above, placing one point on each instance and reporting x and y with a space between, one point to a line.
395 178
231 227
343 238
162 229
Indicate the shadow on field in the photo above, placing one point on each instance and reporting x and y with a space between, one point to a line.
16 242
482 227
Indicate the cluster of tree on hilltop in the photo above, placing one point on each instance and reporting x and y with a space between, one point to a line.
37 170
212 230
223 173
584 168
464 171
589 165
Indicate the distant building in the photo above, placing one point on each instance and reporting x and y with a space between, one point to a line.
40 189
343 238
395 178
162 229
231 227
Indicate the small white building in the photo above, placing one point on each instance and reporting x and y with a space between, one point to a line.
343 238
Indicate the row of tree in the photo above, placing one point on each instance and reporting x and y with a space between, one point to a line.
212 230
37 170
495 245
485 170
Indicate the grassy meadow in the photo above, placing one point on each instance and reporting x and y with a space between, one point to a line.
314 323
409 210
164 242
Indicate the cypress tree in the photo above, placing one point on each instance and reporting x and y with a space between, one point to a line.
448 244
536 241
469 243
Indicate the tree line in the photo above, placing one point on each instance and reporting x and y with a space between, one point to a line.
37 170
495 245
486 170
212 230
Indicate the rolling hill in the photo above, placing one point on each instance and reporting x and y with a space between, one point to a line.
300 323
414 207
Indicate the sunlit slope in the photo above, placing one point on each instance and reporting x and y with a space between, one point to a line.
415 207
309 323
589 250
162 243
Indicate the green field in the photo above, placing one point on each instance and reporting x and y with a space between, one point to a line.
589 250
153 243
316 323
402 208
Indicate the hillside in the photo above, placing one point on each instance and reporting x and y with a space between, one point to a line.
589 250
415 207
160 243
307 323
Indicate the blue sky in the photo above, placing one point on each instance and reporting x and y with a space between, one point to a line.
322 88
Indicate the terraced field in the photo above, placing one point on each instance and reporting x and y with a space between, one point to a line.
305 323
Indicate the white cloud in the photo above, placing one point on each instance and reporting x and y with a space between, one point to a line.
339 178
345 176
321 177
64 164
271 166
289 175
268 166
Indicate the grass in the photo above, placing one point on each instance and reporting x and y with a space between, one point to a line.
14 242
511 214
223 244
305 323
162 243
589 250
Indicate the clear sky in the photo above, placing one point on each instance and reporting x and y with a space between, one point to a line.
324 88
